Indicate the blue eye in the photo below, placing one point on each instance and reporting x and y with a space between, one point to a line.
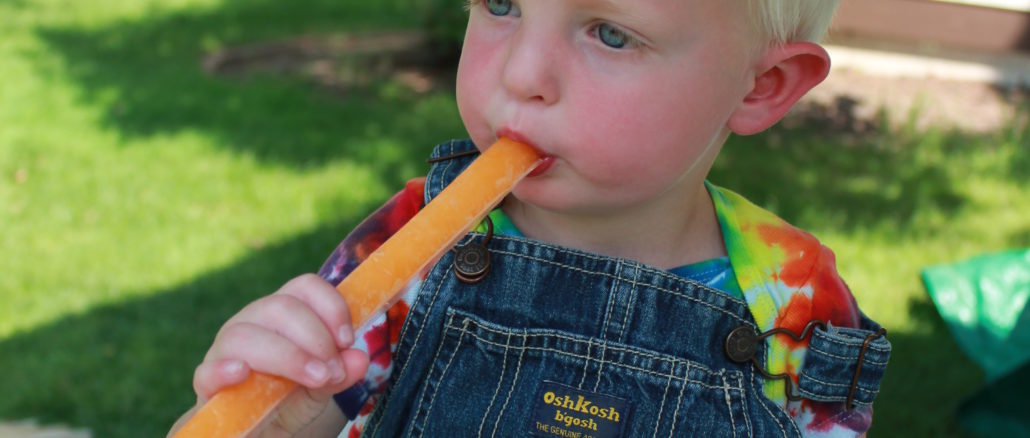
499 8
611 36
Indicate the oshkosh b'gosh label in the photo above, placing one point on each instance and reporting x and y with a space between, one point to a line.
563 411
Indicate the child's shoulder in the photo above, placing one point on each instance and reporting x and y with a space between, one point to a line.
789 280
787 276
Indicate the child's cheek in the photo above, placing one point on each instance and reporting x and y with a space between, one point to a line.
615 129
472 93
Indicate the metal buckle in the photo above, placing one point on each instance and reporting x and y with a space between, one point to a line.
472 260
742 346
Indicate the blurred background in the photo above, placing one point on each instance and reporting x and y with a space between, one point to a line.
163 162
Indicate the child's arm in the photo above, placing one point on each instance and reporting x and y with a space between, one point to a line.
303 333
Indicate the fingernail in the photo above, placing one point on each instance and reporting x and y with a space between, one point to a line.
316 371
233 367
337 370
346 335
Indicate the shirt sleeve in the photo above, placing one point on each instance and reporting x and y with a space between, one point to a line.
380 335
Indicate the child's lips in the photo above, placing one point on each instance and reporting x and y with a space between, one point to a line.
545 163
542 168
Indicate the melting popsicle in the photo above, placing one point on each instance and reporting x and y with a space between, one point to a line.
375 284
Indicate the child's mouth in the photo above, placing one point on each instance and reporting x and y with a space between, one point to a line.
541 168
544 165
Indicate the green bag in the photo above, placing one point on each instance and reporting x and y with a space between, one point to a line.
983 301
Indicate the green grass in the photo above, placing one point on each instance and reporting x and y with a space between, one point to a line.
143 201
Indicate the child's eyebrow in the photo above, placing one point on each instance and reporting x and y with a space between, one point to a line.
616 6
627 10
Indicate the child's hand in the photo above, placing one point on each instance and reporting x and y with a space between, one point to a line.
302 332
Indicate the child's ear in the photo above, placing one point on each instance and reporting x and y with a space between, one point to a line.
783 75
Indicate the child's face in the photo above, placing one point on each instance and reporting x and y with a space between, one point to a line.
629 97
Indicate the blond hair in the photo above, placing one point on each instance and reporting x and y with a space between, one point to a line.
784 21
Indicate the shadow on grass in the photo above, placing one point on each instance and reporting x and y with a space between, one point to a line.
926 381
824 166
1020 238
147 77
102 369
1018 130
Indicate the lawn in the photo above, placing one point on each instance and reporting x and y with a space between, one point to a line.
143 200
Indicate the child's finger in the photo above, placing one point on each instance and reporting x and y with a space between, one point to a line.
327 302
291 318
271 353
355 365
212 376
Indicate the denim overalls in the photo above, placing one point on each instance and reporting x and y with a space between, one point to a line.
558 342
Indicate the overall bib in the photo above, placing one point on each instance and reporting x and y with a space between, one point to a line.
558 342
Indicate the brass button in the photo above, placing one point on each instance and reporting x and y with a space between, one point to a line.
471 262
742 344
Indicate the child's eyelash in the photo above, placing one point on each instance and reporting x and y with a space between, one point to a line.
469 4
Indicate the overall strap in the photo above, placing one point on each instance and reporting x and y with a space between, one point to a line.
845 364
448 160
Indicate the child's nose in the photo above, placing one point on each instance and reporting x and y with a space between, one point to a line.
531 71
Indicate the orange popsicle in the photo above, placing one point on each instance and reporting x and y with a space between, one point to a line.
375 284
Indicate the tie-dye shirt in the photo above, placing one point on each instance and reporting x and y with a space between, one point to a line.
784 274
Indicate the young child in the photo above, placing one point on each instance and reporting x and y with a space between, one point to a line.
625 295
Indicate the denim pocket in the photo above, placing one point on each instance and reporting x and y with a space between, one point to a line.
486 379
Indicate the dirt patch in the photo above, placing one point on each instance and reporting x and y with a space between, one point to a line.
340 62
